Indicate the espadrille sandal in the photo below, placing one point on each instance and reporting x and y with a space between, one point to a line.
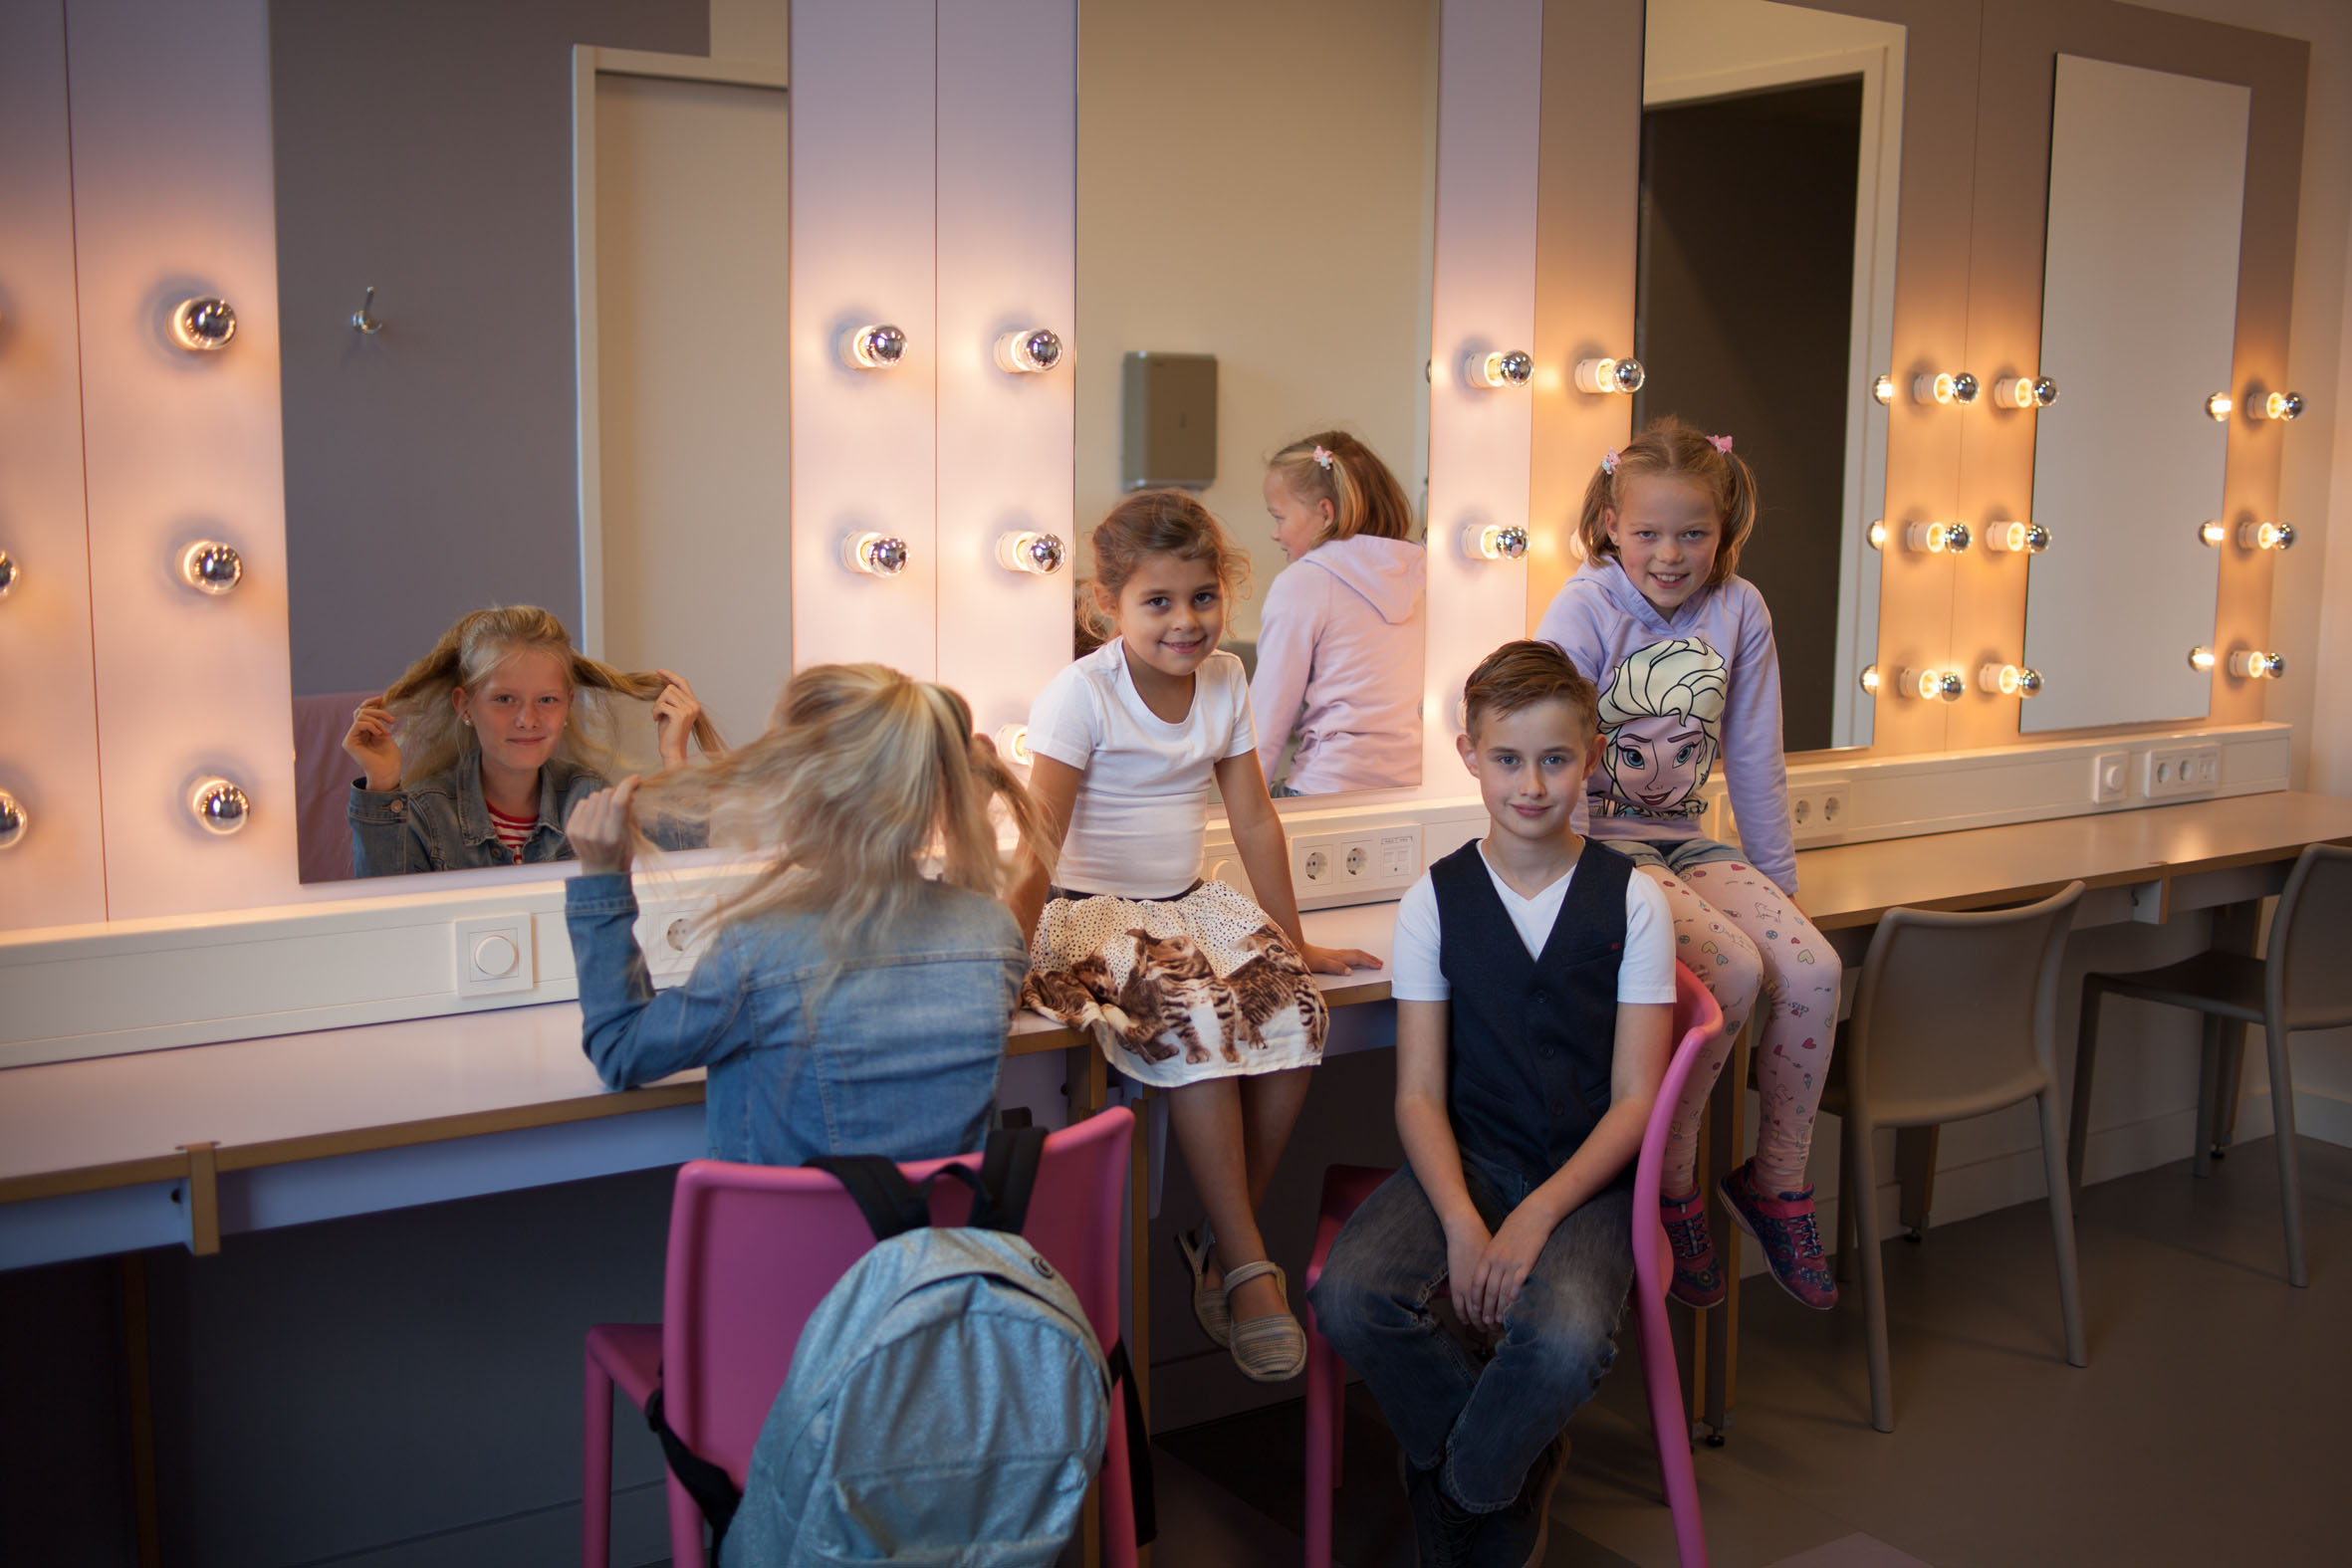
1272 1348
1208 1300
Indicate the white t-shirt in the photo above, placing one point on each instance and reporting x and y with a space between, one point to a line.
1644 975
1142 813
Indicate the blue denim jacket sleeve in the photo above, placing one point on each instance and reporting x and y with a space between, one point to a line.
632 1033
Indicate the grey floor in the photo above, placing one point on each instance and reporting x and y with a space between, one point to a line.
2209 1427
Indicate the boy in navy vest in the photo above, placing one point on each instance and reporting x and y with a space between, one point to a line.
1534 977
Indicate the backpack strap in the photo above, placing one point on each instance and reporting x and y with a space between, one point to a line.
889 1202
1008 1175
1141 1494
893 1206
712 1489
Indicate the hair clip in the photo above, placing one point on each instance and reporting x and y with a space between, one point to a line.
1719 443
1608 461
1322 459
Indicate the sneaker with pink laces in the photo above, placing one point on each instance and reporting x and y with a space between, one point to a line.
1784 1227
1698 1279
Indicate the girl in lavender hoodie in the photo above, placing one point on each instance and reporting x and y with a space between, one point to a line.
1339 642
1682 651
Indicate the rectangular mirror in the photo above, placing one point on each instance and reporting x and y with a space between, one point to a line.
2146 193
1772 151
533 355
1256 184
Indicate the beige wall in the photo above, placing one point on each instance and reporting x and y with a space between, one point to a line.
1253 182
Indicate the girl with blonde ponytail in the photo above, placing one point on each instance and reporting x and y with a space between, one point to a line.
856 994
477 753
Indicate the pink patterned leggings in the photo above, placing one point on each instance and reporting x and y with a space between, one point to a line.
1741 936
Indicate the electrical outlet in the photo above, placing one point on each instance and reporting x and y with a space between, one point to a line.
2107 777
1354 865
672 934
494 955
1819 810
2174 773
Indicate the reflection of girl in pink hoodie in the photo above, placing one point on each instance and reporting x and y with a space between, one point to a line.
1339 642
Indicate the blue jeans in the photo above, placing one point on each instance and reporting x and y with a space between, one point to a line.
1485 1422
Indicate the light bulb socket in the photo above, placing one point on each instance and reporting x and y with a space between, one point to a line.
1603 377
1493 541
203 325
2252 664
2266 535
15 822
1013 744
218 806
1933 685
2027 539
1999 679
873 347
2280 405
2217 406
876 554
1952 388
1031 351
1503 367
1033 553
210 567
1936 538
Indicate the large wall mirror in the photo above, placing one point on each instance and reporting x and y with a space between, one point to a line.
2147 189
484 430
1255 195
1770 155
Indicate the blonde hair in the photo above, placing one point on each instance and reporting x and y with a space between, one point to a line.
1364 496
1158 523
862 775
1676 450
433 739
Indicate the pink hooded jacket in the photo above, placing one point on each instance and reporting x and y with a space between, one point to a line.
1339 661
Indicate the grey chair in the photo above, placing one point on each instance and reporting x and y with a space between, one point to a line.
1957 1016
2304 984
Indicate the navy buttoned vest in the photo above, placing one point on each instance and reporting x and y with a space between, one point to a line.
1532 1038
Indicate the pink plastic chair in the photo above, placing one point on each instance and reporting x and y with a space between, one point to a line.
1345 1187
753 1249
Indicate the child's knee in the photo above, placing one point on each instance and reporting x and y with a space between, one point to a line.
1572 1347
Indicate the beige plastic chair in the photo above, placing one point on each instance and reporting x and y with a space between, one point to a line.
1957 1016
2305 984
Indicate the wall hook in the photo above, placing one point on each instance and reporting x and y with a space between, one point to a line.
361 320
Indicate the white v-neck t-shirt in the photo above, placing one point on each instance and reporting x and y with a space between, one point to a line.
1142 813
1644 975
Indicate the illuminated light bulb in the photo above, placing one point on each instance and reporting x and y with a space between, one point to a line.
1503 367
2214 533
2045 391
210 567
203 325
1878 534
2028 682
1883 390
1935 538
2218 405
2252 664
1493 541
873 347
1932 685
2201 659
1013 744
1870 679
1030 351
2280 405
1949 387
15 822
2266 536
10 573
1040 555
876 554
1999 679
1602 376
2030 539
219 806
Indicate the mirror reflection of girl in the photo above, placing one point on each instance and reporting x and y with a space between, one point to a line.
474 757
1184 984
855 994
1683 653
1341 637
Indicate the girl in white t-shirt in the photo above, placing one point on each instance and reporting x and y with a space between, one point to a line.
1184 984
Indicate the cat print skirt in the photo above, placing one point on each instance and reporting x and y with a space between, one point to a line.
1177 990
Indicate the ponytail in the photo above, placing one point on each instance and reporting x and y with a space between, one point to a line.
1333 466
1676 450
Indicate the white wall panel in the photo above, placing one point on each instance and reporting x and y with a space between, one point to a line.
863 251
1008 156
48 729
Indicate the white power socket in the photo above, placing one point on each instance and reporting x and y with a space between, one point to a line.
1820 808
672 934
2176 771
1355 865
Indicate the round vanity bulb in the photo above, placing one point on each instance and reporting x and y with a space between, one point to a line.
1493 541
2266 535
2250 664
1870 679
876 554
1934 538
201 325
1950 388
210 567
10 573
1883 390
2214 533
2008 680
1029 352
1877 534
1931 685
877 348
2280 405
2201 659
218 805
2219 406
1038 554
1602 377
14 824
1013 744
1503 367
2028 682
2030 539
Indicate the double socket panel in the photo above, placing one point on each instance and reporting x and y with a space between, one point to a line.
1359 861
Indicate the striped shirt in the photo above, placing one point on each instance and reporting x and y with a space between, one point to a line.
513 832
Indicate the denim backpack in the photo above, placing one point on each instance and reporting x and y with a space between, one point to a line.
948 1402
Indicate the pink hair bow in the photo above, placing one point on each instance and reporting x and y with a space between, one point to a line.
1322 459
1719 443
1608 461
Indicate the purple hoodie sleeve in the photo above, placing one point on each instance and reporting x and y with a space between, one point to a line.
1296 609
1755 767
1569 625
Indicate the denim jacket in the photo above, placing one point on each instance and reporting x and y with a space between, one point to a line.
443 823
899 1057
